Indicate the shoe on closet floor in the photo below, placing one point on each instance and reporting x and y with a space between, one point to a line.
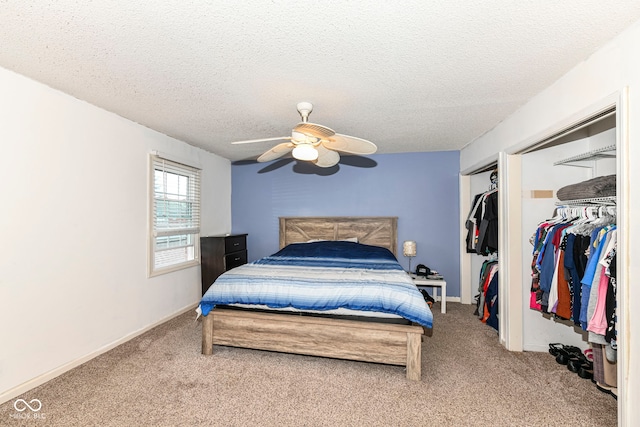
586 371
613 391
579 364
564 354
554 348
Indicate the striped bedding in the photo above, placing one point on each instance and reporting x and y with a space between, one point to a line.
323 276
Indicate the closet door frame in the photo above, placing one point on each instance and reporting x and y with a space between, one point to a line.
510 330
469 281
465 258
510 290
628 382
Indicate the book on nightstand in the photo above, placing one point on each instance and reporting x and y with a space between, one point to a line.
435 277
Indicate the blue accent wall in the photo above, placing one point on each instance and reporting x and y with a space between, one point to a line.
421 189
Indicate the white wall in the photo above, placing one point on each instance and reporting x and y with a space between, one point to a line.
73 270
606 72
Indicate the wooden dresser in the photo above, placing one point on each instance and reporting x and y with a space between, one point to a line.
219 254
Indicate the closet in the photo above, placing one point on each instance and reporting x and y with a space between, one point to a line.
528 182
577 157
569 211
589 143
482 240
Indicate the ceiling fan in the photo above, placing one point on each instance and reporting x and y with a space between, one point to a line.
315 143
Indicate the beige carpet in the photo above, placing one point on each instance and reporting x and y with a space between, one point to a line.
161 379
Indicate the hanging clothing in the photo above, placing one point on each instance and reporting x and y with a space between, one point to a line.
471 224
482 224
491 303
571 252
573 277
611 333
488 234
487 299
574 262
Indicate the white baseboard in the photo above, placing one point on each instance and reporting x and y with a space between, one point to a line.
536 348
41 379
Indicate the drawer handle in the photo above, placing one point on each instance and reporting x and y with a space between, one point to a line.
236 244
237 259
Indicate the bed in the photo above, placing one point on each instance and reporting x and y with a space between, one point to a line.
377 336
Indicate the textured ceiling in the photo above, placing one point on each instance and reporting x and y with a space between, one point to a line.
410 76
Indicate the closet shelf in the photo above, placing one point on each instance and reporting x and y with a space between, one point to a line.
609 200
599 153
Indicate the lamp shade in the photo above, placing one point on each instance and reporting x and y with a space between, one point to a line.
409 248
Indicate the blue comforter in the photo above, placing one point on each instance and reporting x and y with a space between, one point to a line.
323 276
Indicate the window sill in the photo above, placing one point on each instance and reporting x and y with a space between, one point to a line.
173 268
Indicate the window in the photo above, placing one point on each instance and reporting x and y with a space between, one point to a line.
175 216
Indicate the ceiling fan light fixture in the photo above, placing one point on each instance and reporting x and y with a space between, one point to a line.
305 152
315 143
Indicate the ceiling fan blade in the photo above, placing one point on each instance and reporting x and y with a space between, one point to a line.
276 152
349 144
315 130
251 141
326 158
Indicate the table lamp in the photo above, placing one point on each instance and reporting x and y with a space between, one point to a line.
409 249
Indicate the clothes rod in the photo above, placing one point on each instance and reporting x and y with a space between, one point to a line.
609 200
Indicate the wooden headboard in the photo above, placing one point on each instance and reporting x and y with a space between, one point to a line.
370 230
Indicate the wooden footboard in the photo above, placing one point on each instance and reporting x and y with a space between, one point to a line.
316 336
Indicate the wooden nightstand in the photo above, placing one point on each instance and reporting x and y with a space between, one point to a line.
434 284
219 254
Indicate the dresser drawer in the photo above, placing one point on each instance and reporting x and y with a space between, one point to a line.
235 259
235 244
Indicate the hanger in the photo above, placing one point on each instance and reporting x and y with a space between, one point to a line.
493 178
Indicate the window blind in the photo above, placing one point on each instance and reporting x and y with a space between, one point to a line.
175 214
